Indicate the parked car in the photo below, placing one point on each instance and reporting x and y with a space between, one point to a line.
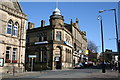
90 63
79 66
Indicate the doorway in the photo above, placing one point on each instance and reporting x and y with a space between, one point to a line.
58 62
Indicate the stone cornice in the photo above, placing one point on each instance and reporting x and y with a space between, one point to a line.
13 37
13 12
48 28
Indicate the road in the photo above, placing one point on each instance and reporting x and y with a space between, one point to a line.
78 73
71 73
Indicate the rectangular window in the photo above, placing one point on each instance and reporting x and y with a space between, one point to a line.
75 46
58 35
40 39
7 59
8 53
27 39
45 38
44 59
14 53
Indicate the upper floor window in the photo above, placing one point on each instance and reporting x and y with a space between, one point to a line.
58 35
27 39
75 46
15 29
42 36
67 38
9 27
45 38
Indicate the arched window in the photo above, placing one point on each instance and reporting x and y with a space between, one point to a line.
15 29
9 27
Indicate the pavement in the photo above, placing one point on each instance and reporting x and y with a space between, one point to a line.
81 73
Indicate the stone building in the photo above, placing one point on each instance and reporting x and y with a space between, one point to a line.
54 44
79 43
12 36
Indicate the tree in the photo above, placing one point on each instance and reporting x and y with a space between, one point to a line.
91 46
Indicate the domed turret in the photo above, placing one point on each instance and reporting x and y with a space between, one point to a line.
56 12
56 19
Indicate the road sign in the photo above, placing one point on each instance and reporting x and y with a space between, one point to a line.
32 56
1 62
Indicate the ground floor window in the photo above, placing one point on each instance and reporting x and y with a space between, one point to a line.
7 59
12 53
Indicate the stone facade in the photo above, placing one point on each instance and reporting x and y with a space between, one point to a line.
79 43
54 44
12 36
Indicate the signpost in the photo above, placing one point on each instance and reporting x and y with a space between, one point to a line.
1 62
32 56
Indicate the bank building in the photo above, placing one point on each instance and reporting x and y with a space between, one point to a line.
54 46
12 37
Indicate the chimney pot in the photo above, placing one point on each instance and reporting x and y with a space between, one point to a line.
42 23
30 25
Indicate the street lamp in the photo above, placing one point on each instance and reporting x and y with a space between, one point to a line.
103 65
116 33
115 24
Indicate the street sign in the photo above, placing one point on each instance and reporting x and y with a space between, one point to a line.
1 62
43 42
87 52
57 58
32 56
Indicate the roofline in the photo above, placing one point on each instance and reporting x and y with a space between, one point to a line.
19 6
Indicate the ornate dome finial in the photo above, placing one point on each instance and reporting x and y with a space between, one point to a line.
56 12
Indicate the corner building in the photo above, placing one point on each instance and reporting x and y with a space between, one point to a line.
12 37
52 44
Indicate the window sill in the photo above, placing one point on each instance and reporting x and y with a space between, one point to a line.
14 61
7 61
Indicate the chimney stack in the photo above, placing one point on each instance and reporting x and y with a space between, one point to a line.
30 25
71 22
77 20
42 23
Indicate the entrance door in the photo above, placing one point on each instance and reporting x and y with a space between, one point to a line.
58 63
58 56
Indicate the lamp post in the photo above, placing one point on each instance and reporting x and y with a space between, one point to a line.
116 33
102 39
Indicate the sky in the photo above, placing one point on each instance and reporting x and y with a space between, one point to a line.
68 0
86 12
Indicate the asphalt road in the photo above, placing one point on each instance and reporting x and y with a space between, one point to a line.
76 73
73 73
